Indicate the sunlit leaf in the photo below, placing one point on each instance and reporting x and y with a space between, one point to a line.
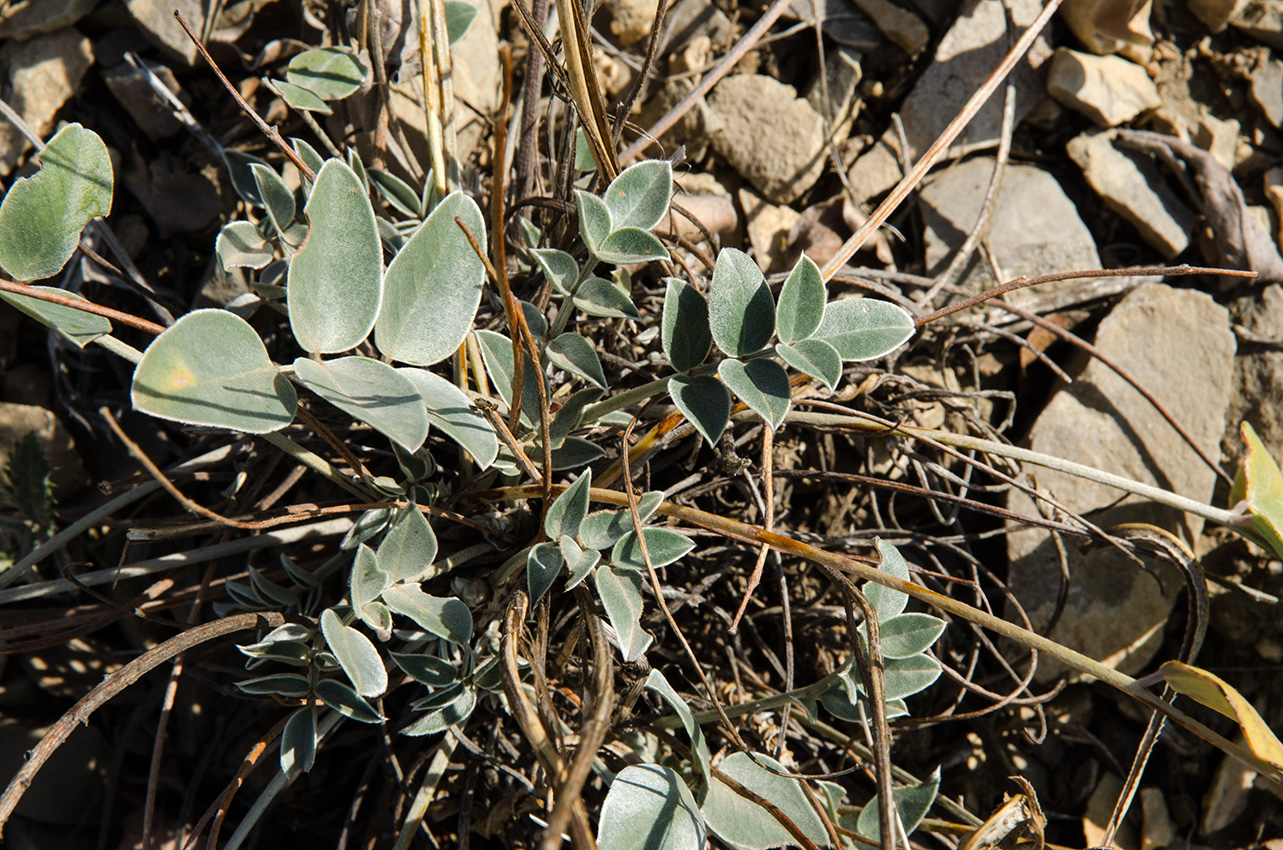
801 304
445 617
704 401
568 510
451 411
240 244
604 529
648 807
761 384
599 297
298 742
620 592
542 566
699 747
813 357
639 196
276 195
684 330
741 311
76 326
331 73
664 545
594 220
888 602
558 267
741 823
576 355
629 245
346 701
909 634
366 581
443 709
864 328
409 547
1218 695
371 391
459 16
302 99
1257 494
911 805
397 192
356 655
428 669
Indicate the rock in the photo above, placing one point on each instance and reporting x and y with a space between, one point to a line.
876 170
18 420
1217 137
43 74
1267 90
708 201
968 53
1215 13
692 129
768 230
842 74
1035 228
1178 345
904 29
1107 89
178 199
1258 373
840 20
691 18
1159 831
22 20
1132 187
1261 20
631 20
475 73
157 21
772 137
1100 805
1227 798
131 87
1104 26
1274 194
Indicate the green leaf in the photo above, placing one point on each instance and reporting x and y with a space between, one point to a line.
276 196
409 548
242 177
496 351
568 417
904 677
542 565
594 220
1257 494
346 701
76 326
629 245
397 192
28 477
558 267
909 634
335 282
664 545
371 391
639 196
451 411
576 355
428 669
704 401
583 153
579 562
620 592
331 73
743 824
445 708
41 216
304 100
535 319
290 685
445 617
241 245
911 805
801 302
604 529
741 312
356 655
310 157
864 328
298 742
685 334
888 602
648 807
211 368
699 747
599 297
366 581
458 19
568 510
761 384
433 286
813 357
573 453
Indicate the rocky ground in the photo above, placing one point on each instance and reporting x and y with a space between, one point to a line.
1134 134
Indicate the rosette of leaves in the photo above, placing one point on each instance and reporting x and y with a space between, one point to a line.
741 317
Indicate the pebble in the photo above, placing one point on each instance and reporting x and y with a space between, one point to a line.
1107 89
44 72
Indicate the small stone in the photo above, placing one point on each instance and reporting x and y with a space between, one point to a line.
1100 805
772 137
1107 89
768 230
1258 373
18 420
1217 137
689 19
708 201
1107 26
876 170
1261 20
157 21
44 72
905 29
1267 90
1274 194
1132 187
842 74
1215 13
25 18
631 20
1227 798
131 87
1158 831
840 20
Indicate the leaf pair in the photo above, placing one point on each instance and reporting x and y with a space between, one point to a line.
616 227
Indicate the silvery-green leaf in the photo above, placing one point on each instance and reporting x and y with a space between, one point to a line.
397 192
496 351
594 219
743 824
409 548
444 617
558 267
620 592
428 669
813 357
366 581
579 562
76 326
761 384
336 279
42 216
286 684
302 99
888 602
576 355
531 235
542 566
368 524
331 73
911 805
568 510
904 677
699 747
648 807
242 178
909 634
604 529
451 411
639 196
741 312
704 401
599 297
371 391
629 245
211 368
573 453
459 16
433 286
864 328
241 245
346 701
310 157
801 304
684 329
664 545
276 196
568 417
584 161
535 319
448 707
356 655
298 742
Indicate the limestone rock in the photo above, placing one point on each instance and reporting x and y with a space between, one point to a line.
768 134
1261 20
1107 89
1215 13
476 75
1258 373
1035 228
18 420
876 170
768 230
631 20
1105 26
1177 343
1217 137
904 29
1133 188
1274 194
1267 90
967 53
25 18
43 74
708 201
157 21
